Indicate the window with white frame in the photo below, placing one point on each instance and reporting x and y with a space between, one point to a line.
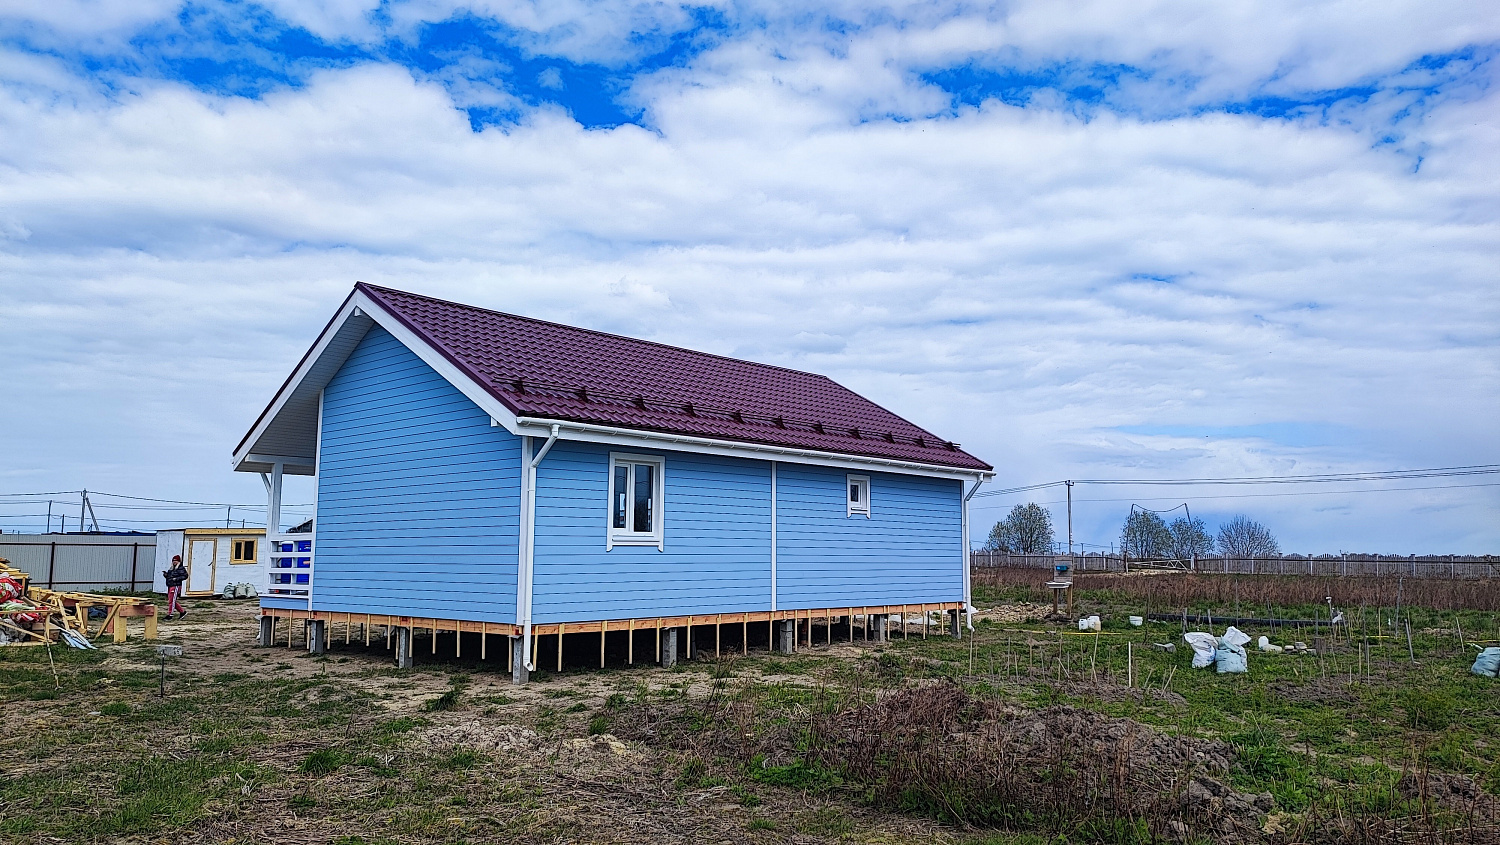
635 500
858 487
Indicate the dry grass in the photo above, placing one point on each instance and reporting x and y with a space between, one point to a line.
1169 591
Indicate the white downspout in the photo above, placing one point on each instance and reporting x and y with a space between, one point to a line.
529 556
773 535
968 556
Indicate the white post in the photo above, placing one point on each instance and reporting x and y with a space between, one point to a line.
273 503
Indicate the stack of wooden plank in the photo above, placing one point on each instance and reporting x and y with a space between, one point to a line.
37 616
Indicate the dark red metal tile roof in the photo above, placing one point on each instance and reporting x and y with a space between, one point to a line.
542 369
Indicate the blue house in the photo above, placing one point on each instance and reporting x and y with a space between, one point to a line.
480 474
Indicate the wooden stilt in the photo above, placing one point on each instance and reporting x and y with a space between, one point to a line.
658 639
851 624
484 632
433 629
347 626
602 628
718 624
630 649
925 620
744 634
559 645
367 630
458 638
510 652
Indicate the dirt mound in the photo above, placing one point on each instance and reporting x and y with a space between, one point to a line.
480 736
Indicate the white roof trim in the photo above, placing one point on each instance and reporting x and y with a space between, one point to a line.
541 427
360 307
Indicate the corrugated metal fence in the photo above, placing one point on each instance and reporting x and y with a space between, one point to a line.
1411 566
83 561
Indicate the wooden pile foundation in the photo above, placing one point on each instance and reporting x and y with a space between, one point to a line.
915 620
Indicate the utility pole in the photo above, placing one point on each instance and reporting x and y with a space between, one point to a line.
1070 517
82 505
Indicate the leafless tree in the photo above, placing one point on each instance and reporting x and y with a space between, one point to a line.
1190 538
1027 530
1145 536
1245 538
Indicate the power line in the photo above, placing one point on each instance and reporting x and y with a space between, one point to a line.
1290 493
1312 478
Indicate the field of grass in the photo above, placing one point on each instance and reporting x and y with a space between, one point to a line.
1025 732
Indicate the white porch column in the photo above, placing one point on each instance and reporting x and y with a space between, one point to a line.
273 502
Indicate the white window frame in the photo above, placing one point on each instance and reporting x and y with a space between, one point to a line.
861 508
624 536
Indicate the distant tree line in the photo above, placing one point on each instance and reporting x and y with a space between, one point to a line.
1027 530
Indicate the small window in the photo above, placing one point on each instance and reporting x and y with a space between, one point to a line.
243 551
636 483
859 495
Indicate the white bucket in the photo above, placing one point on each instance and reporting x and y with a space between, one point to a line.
1137 621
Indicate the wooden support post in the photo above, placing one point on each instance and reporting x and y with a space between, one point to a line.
433 629
347 626
458 638
851 624
484 636
658 639
718 624
367 630
770 633
630 649
924 621
511 652
603 626
744 634
559 645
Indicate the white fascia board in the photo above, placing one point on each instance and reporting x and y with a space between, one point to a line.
360 305
444 367
320 347
588 432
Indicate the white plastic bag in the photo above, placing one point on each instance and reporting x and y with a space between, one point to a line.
1235 637
1268 647
1204 646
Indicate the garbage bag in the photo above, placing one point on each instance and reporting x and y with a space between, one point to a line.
1487 663
1268 647
1204 647
1234 636
1230 657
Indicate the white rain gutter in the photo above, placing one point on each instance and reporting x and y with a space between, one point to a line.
968 555
529 558
814 454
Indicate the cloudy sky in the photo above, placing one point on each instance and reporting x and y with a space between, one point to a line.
1085 239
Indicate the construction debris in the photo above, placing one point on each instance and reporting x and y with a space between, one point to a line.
38 616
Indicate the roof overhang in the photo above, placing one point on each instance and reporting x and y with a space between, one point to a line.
287 430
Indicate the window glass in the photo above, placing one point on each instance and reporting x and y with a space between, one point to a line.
643 497
854 493
622 491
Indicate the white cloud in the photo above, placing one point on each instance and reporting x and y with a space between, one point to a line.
1025 281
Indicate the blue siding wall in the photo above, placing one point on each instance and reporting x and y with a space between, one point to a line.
908 551
418 496
717 556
